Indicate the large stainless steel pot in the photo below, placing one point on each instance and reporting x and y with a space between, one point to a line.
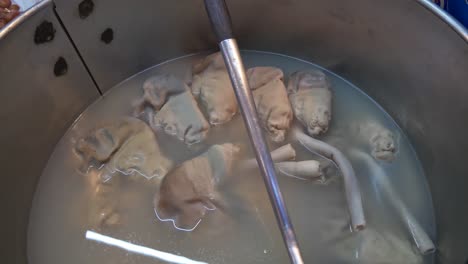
406 54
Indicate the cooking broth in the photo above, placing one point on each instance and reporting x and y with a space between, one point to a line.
245 231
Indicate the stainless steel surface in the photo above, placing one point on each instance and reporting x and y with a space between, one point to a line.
236 70
446 17
406 54
179 27
36 110
145 33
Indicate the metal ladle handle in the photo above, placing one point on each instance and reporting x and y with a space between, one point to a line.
221 23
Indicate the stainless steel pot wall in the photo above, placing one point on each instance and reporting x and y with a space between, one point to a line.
410 60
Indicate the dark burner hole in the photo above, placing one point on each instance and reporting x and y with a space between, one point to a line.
60 67
85 8
107 36
45 32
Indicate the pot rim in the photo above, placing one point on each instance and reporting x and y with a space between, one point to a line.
433 8
446 18
24 16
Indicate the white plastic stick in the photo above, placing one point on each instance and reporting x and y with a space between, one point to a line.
420 237
168 257
351 184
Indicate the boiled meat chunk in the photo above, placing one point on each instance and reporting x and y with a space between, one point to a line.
382 141
311 97
271 100
181 117
212 86
128 146
170 106
157 89
190 190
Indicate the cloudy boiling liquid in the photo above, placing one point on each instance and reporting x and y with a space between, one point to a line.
245 231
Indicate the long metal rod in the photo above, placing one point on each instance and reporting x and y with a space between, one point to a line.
246 102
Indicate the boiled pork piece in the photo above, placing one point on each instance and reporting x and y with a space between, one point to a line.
170 106
190 190
311 98
156 91
128 146
181 117
212 86
382 142
271 100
